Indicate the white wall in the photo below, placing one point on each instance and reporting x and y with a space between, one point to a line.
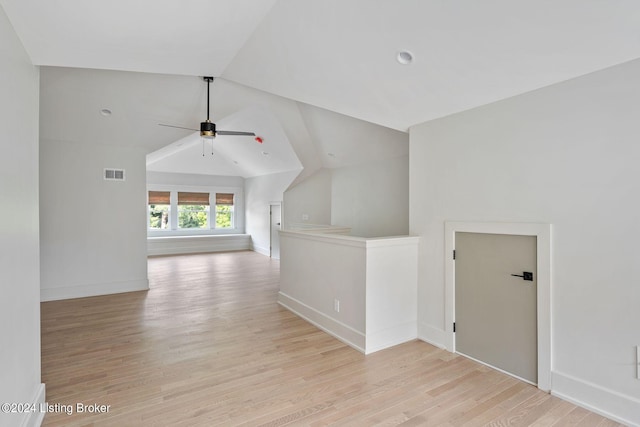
392 279
315 270
373 198
19 251
93 232
169 178
259 191
312 198
566 155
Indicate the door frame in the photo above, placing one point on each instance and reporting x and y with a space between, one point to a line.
271 205
542 232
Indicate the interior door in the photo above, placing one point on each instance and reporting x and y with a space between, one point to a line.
495 306
276 219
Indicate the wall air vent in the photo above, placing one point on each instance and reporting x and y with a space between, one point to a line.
113 174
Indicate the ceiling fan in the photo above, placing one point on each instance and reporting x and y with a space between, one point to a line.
207 128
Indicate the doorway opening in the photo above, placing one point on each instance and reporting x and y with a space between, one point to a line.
542 235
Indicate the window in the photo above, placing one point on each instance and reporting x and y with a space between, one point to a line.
159 208
224 210
193 210
181 210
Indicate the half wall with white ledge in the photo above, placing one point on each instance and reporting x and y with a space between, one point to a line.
361 290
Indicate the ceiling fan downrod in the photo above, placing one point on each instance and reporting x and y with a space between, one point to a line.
208 129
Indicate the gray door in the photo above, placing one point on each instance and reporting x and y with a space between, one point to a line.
495 312
276 214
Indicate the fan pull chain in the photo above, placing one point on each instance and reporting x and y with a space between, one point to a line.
202 146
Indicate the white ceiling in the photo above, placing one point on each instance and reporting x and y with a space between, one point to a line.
194 37
340 55
301 62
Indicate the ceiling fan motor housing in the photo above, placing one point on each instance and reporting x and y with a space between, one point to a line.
207 129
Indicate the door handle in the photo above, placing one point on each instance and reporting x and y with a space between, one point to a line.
526 275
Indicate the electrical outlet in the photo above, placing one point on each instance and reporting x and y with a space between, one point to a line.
336 305
305 217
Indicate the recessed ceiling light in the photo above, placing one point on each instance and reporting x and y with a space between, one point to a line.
404 57
105 112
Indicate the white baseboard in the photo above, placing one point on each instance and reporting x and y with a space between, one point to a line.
398 334
261 250
608 403
92 290
432 335
34 419
337 329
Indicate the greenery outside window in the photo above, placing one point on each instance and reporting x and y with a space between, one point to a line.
193 210
224 210
159 209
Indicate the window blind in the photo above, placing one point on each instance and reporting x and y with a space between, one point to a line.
159 198
185 198
224 198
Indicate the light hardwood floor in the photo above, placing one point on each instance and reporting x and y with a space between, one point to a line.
208 345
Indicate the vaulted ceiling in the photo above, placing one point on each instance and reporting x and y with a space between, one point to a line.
318 76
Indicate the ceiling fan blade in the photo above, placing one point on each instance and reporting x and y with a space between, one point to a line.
232 132
177 127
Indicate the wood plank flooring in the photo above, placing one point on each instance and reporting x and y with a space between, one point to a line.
208 345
